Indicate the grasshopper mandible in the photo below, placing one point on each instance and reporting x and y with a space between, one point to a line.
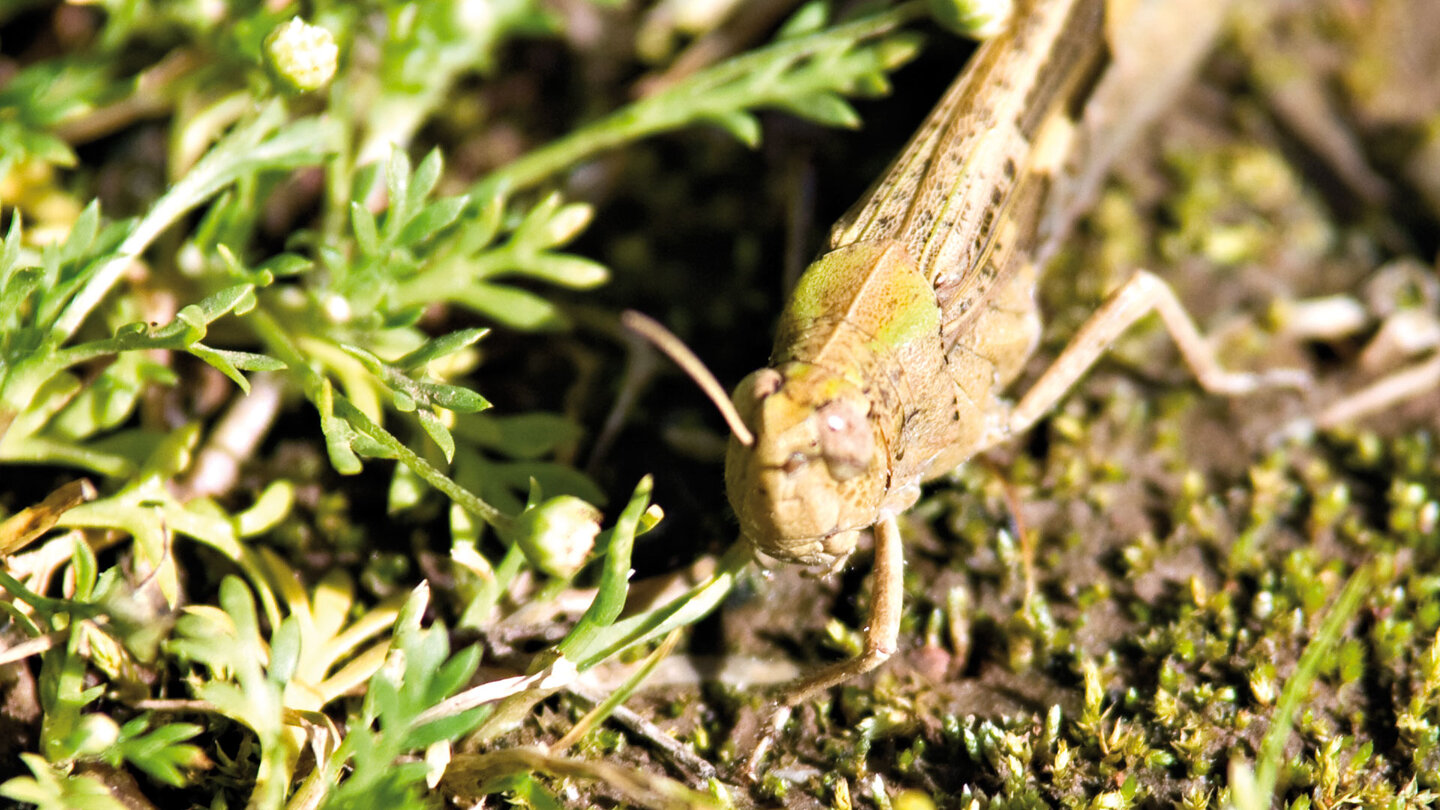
896 344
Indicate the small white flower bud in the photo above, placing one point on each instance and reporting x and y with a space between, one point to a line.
301 56
558 534
980 19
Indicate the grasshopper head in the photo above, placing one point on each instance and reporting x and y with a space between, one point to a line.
813 478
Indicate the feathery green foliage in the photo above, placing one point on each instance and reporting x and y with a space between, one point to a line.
373 302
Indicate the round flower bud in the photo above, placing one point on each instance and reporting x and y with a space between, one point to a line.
558 534
300 56
980 19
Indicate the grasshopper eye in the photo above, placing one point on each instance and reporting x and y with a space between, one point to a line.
846 442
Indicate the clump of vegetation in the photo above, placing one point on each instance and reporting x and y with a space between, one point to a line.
282 254
305 321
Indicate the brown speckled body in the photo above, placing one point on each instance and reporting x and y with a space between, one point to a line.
892 351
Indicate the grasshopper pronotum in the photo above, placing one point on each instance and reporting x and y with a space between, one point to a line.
892 353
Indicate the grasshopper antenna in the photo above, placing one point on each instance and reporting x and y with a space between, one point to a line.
672 347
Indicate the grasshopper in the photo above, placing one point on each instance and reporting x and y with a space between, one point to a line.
893 352
891 356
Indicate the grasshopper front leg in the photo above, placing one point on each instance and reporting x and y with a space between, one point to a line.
882 634
1141 295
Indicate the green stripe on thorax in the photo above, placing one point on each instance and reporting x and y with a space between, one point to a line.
875 287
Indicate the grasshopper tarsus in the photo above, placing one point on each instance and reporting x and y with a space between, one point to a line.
1407 383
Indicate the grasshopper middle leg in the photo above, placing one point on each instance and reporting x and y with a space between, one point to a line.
1142 294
